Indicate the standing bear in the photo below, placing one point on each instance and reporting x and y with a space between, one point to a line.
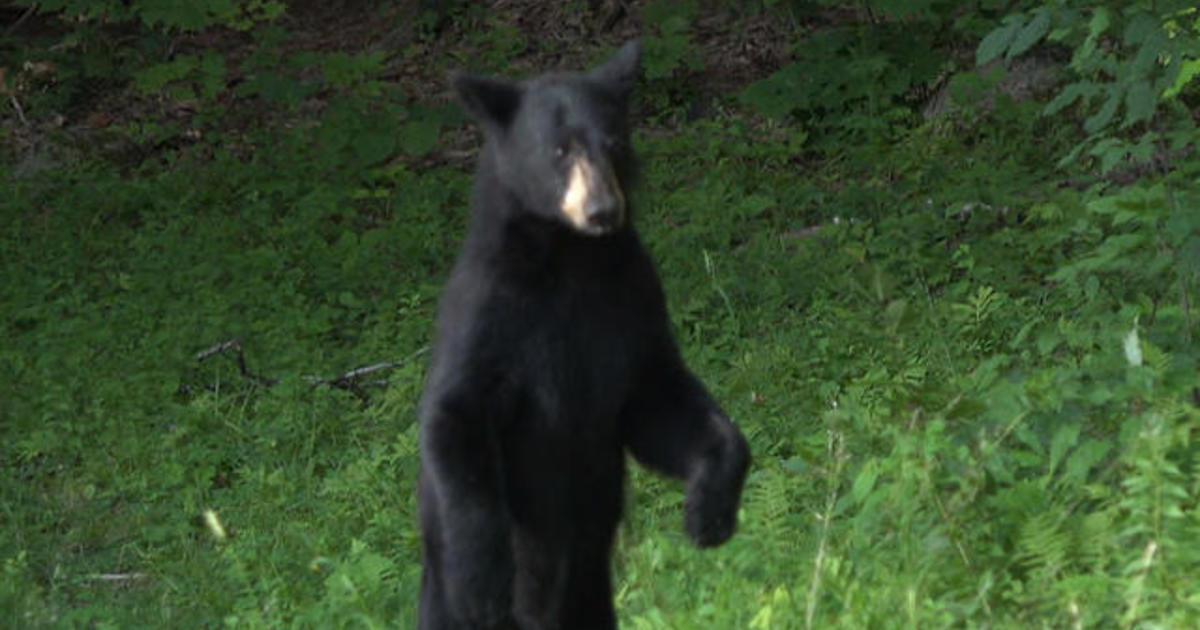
553 357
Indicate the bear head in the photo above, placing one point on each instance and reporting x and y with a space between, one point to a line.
560 142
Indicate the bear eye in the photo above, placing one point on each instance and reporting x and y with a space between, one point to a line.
560 151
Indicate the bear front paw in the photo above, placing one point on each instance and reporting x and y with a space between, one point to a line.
715 489
708 525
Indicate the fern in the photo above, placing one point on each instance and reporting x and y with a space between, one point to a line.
771 497
1043 546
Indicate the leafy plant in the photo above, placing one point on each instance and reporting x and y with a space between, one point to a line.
849 82
1132 62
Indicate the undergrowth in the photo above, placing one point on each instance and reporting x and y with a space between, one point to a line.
966 366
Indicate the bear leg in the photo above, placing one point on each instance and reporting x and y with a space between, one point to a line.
672 425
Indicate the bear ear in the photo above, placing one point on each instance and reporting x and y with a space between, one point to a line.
492 102
620 71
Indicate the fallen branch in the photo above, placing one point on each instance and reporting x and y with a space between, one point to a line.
12 28
235 345
351 379
17 106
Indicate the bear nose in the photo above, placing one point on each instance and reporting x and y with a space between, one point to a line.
593 200
602 211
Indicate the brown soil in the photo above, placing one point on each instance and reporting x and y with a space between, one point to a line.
737 46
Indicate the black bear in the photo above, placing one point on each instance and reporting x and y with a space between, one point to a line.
553 355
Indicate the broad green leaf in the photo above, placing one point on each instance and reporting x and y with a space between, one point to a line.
1101 19
1144 149
1081 462
1111 157
1030 34
995 43
1101 118
1069 95
1071 155
1064 439
1097 26
864 482
1141 28
1139 103
1188 70
1022 335
1151 49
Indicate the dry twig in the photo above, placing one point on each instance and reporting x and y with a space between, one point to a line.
12 28
235 345
17 107
117 577
350 380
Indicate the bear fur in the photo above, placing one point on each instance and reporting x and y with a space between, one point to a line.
553 356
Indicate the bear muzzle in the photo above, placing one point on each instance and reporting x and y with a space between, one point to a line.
592 200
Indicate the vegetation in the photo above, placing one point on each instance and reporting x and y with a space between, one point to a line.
961 338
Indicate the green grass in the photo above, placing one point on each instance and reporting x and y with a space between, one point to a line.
968 391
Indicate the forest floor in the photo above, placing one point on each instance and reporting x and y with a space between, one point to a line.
967 372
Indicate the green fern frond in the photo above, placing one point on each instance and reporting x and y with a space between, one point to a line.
1043 544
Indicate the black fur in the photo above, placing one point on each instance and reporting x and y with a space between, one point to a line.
553 356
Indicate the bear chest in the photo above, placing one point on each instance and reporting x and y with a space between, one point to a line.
577 355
